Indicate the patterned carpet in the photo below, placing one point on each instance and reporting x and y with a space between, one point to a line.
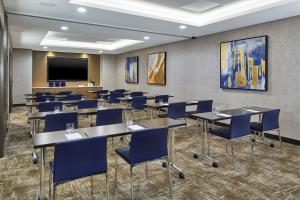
276 176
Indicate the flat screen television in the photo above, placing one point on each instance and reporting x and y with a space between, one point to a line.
68 69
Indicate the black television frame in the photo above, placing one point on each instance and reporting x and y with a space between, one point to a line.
87 78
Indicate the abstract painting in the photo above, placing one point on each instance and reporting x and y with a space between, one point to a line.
132 70
244 64
157 68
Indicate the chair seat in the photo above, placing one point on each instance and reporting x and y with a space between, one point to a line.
221 132
124 153
256 126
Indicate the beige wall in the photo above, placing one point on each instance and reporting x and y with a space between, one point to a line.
39 67
193 71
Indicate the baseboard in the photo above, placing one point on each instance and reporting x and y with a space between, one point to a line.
20 104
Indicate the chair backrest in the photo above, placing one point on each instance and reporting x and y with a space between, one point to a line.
148 144
139 102
79 158
63 83
270 120
44 98
71 97
49 106
120 90
163 98
65 93
88 104
177 110
57 83
51 83
136 94
109 116
42 93
100 93
204 106
58 121
240 125
113 97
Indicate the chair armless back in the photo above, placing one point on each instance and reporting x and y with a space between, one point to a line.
164 98
83 104
177 110
109 116
79 158
148 144
204 106
136 94
239 125
120 90
139 102
270 120
49 106
44 98
58 121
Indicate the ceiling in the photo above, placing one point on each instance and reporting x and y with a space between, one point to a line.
118 26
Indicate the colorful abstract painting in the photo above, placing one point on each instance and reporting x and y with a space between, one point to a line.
157 68
244 64
132 70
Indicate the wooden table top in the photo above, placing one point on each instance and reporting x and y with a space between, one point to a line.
69 102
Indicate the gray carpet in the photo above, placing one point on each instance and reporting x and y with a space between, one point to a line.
276 176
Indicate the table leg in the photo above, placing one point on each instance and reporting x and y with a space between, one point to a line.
41 195
34 155
205 154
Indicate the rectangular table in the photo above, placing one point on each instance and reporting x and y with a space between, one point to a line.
49 139
210 117
129 99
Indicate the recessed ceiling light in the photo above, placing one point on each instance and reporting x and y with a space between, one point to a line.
81 10
100 51
64 28
45 47
182 27
146 38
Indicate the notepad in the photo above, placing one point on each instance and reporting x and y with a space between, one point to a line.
73 136
223 115
253 111
136 127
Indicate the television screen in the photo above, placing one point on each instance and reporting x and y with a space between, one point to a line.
68 69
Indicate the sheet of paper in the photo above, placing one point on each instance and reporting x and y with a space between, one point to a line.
73 136
223 115
253 111
136 127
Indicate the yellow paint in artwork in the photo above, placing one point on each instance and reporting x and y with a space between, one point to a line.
224 47
156 72
263 66
254 81
239 60
229 81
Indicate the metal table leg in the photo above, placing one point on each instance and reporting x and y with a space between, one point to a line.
205 147
41 195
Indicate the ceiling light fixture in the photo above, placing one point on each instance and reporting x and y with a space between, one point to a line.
100 51
182 27
45 47
146 38
64 28
81 10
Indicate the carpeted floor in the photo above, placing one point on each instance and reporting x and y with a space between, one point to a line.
276 176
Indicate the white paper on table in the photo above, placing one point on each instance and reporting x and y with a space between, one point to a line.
136 127
253 111
223 115
165 104
73 136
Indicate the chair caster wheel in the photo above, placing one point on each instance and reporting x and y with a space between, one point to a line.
272 145
215 164
164 165
181 175
195 156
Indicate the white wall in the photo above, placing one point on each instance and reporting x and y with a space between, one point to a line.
108 72
193 71
22 74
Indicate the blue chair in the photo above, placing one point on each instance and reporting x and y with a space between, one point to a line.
49 106
239 127
51 83
71 97
83 104
139 102
63 83
65 93
109 116
146 145
44 98
202 107
270 121
177 110
58 121
57 83
42 93
136 94
101 93
77 159
113 97
162 98
120 90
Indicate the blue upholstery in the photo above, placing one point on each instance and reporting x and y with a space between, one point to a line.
270 121
163 98
58 121
202 107
109 116
177 110
57 83
49 106
101 93
65 93
136 94
120 90
113 97
42 93
87 104
51 83
71 97
79 158
63 83
239 127
43 98
146 145
138 103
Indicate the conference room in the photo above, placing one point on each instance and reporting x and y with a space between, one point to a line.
148 99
